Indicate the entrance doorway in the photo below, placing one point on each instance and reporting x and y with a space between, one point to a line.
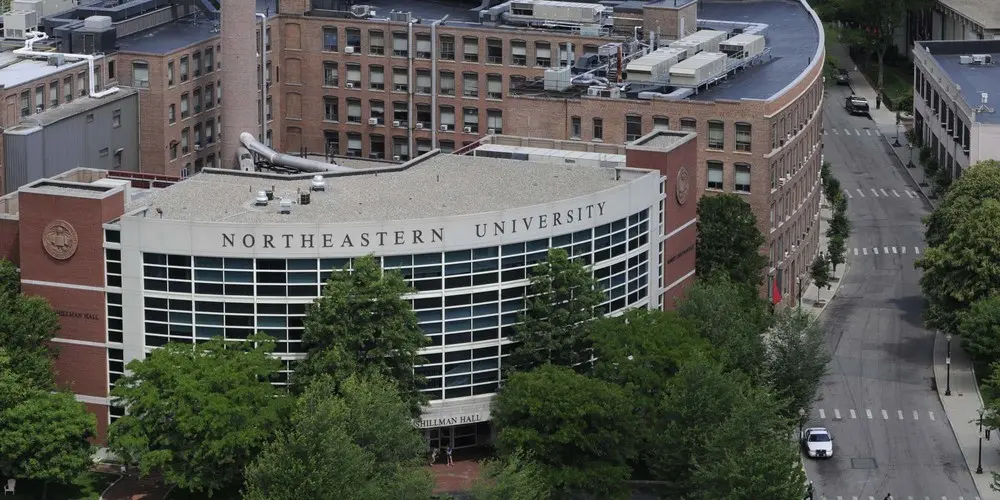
458 436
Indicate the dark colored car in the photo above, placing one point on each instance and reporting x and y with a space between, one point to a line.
856 105
843 77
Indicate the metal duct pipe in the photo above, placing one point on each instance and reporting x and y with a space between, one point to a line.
409 88
285 160
37 36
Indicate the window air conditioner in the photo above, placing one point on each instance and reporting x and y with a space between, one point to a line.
395 158
395 123
349 49
781 181
444 128
349 85
419 126
491 131
467 130
373 121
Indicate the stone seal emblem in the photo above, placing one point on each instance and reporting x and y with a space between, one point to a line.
60 239
683 186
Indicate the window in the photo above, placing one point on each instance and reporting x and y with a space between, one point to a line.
689 125
267 108
184 106
543 54
184 69
116 162
517 82
171 113
575 127
400 149
103 152
197 100
173 150
424 115
210 60
447 118
447 80
494 121
111 69
81 83
400 114
447 147
423 146
598 129
377 110
353 76
716 135
354 111
633 127
267 38
185 137
661 123
470 49
423 81
329 39
423 46
197 137
353 144
400 45
330 74
518 53
25 103
39 98
140 74
377 142
352 39
714 174
116 118
210 161
68 89
54 94
494 86
494 51
470 120
210 132
447 48
331 142
196 62
331 112
376 46
376 77
743 137
742 177
210 96
400 80
470 84
218 92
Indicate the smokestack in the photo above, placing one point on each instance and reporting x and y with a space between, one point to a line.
239 76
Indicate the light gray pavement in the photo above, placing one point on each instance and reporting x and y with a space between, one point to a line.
816 300
890 431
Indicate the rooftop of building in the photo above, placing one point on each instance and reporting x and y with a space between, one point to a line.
69 109
16 70
175 35
983 12
434 185
973 80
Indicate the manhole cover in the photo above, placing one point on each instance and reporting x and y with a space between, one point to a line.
863 463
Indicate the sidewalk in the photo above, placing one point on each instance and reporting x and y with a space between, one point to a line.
962 408
809 295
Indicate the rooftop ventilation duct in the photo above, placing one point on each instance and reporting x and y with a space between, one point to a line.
285 206
261 199
318 183
34 37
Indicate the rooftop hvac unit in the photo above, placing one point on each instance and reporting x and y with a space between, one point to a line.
701 41
317 183
18 22
608 49
399 17
97 23
743 46
654 66
261 199
699 69
558 79
285 206
982 59
362 10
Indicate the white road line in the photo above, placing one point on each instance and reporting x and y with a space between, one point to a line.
862 193
847 132
900 414
868 412
856 132
836 414
878 132
883 192
854 498
895 193
916 250
822 414
869 131
865 250
909 497
885 415
910 193
835 132
885 250
916 415
855 252
931 415
853 415
874 193
848 193
875 250
871 497
903 249
893 249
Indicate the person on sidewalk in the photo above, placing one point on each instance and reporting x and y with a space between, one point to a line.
888 496
451 462
434 456
878 100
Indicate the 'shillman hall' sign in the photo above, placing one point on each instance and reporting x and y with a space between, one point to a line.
368 239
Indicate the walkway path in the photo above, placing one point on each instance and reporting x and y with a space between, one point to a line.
963 405
815 300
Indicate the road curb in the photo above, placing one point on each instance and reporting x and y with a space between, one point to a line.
909 174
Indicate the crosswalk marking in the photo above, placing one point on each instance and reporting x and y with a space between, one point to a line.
878 132
916 250
839 416
883 192
856 132
874 193
900 414
885 250
895 193
855 251
916 415
893 249
836 414
869 131
931 415
912 195
868 413
848 193
875 250
822 414
885 415
865 250
847 132
835 132
855 415
862 193
903 249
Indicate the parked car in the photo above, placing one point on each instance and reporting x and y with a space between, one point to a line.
856 105
843 77
817 442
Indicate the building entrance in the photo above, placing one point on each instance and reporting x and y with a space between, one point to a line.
458 436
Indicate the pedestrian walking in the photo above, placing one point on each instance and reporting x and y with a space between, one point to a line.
878 101
450 461
434 456
888 496
809 491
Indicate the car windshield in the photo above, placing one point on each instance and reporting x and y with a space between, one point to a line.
819 438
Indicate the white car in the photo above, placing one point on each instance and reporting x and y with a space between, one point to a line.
817 442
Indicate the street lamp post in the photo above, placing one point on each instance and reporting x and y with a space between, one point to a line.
799 290
979 467
947 361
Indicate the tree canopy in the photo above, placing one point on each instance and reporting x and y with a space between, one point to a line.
729 240
980 329
517 476
963 269
796 360
199 413
352 440
561 300
819 272
363 324
978 183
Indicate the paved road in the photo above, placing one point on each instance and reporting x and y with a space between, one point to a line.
890 431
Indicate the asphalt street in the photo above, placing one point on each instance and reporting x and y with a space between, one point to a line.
890 432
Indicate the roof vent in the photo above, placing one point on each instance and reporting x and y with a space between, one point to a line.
262 198
305 198
285 206
318 184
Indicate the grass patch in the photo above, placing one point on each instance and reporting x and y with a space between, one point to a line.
897 81
88 486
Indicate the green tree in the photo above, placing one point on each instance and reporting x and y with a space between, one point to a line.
836 251
797 359
840 225
351 440
980 330
581 430
978 183
363 324
199 413
768 468
736 333
963 269
10 278
562 299
819 271
832 189
27 324
942 182
517 476
729 240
